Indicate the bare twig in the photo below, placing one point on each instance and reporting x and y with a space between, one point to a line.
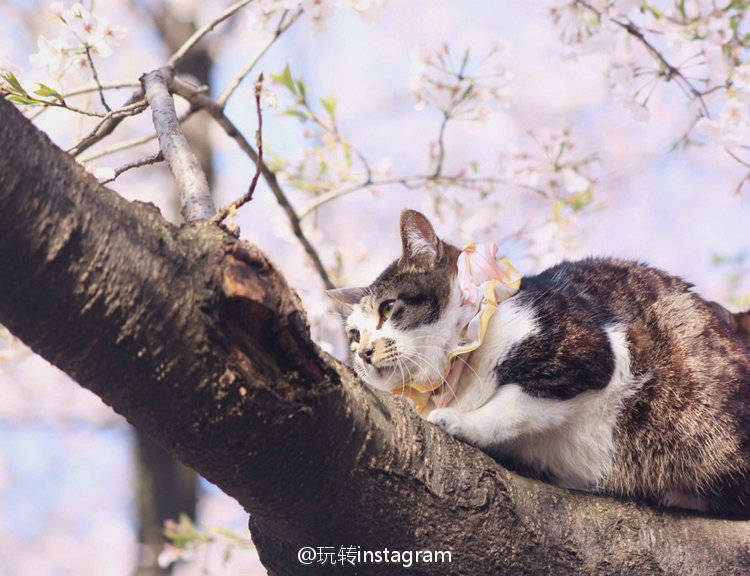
201 100
203 30
134 105
684 140
738 189
412 182
132 143
95 74
147 161
237 80
244 199
112 86
737 158
669 71
195 197
58 104
588 6
441 145
87 90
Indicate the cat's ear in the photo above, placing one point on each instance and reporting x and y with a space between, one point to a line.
422 249
348 296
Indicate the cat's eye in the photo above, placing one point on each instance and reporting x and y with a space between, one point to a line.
386 309
354 335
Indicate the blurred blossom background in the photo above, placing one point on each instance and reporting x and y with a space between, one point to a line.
559 129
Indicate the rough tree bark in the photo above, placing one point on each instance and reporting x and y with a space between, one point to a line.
195 337
167 488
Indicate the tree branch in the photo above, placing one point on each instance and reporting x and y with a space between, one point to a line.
411 182
441 146
147 161
282 27
200 100
245 198
197 340
95 74
670 71
111 86
196 202
203 30
130 143
108 124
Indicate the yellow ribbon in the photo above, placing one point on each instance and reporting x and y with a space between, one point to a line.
495 280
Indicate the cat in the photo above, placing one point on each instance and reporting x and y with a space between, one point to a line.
601 375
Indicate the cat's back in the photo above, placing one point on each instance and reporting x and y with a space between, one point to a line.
685 433
607 288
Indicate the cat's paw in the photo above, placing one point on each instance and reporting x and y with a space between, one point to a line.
449 420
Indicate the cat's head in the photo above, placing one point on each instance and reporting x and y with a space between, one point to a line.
401 326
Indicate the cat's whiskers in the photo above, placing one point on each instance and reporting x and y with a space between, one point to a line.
403 376
481 382
416 356
469 366
479 379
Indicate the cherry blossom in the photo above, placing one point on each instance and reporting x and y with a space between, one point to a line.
82 36
732 127
6 66
717 28
741 79
50 54
462 83
104 173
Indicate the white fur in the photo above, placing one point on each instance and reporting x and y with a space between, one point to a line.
573 439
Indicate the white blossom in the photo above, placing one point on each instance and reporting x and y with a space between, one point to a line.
270 98
104 173
82 32
80 21
740 78
718 29
620 79
674 33
576 23
50 54
716 63
6 66
696 8
732 127
384 166
369 10
637 110
58 10
169 555
574 182
623 7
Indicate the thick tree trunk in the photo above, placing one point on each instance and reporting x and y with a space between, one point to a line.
197 340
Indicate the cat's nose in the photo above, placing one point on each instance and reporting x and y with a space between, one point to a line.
366 354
